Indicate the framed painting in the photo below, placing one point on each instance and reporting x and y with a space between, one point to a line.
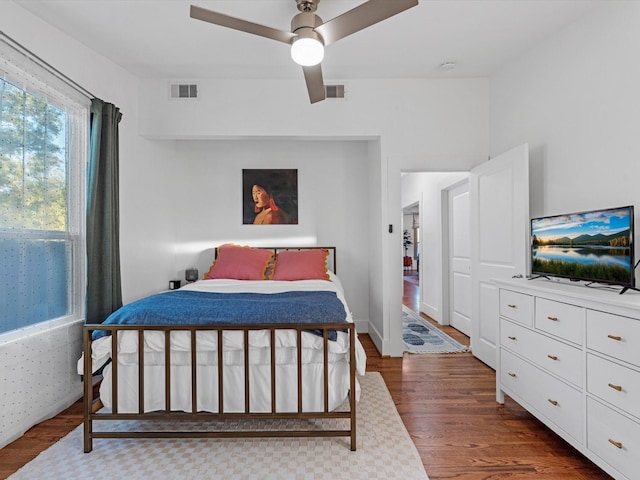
270 196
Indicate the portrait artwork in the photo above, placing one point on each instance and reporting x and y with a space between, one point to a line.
270 196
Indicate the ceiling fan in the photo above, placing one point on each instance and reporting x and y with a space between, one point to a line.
309 34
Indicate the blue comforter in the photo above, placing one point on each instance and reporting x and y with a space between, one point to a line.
186 307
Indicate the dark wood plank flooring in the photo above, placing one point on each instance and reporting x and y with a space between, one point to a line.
447 403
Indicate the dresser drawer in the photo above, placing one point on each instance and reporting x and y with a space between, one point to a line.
557 357
561 404
613 383
614 438
560 319
613 335
516 306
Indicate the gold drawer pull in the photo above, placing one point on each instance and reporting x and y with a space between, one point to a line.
511 374
511 338
616 387
552 357
615 337
553 319
511 305
553 402
617 444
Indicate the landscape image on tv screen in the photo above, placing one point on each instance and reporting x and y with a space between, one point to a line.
595 246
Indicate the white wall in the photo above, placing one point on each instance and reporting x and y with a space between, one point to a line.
426 188
38 367
199 185
575 99
437 125
441 122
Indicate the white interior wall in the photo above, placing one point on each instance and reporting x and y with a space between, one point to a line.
378 256
202 208
38 375
575 100
437 125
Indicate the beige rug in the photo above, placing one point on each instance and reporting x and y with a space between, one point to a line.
384 451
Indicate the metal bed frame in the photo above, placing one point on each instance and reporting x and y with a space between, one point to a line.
93 405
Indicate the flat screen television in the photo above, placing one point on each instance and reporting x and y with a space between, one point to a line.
594 246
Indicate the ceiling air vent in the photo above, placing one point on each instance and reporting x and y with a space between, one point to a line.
334 91
183 90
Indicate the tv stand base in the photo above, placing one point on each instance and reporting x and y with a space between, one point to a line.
624 289
533 277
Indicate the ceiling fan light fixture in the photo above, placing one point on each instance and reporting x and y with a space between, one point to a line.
309 34
307 49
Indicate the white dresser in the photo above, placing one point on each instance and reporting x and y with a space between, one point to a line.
570 355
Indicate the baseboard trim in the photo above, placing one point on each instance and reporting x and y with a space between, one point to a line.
362 326
9 436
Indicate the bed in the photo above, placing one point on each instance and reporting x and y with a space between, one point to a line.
289 352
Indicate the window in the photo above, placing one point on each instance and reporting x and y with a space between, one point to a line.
43 138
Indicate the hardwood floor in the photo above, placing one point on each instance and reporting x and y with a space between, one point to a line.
410 292
447 403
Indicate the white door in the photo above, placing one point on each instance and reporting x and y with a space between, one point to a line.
459 258
499 194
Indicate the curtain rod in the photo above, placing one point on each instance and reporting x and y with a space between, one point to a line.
47 66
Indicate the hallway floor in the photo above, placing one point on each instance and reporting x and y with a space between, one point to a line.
411 290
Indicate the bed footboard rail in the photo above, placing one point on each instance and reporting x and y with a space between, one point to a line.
93 413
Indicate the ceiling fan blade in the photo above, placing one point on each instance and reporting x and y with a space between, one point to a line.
361 17
315 83
216 18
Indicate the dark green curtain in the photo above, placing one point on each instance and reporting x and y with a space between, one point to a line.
104 292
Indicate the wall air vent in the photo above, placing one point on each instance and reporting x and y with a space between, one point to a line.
334 91
183 90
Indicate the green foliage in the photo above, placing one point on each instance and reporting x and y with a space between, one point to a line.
593 271
33 167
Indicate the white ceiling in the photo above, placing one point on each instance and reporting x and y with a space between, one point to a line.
157 38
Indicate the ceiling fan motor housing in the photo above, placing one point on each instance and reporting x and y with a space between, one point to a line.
305 20
304 24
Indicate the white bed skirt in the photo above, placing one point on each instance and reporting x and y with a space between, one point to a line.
234 385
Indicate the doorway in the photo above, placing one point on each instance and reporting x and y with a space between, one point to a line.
411 256
422 193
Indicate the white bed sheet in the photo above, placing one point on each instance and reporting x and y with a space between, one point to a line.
233 359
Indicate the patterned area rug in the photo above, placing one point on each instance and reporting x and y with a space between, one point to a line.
420 336
384 451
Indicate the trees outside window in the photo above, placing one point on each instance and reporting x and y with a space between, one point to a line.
40 226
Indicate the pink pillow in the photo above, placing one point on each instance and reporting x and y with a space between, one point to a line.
240 263
301 265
